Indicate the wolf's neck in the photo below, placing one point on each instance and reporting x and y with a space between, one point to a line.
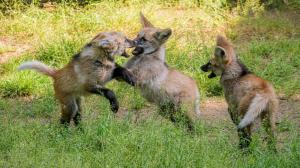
89 51
235 70
160 54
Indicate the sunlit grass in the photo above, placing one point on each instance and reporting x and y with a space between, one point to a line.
30 134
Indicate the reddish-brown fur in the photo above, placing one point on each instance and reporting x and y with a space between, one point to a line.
168 88
87 73
250 98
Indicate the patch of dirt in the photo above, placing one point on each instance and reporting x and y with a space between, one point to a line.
15 49
290 110
215 110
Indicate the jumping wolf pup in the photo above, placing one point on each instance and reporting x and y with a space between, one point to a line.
250 99
87 73
170 89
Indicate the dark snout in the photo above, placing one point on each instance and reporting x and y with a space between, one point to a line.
212 75
124 54
129 44
205 67
138 51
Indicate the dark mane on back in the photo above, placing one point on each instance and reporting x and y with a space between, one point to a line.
244 68
76 56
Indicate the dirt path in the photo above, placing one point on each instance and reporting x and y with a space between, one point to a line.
215 110
11 48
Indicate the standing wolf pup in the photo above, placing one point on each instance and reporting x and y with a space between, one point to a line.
250 98
87 73
170 89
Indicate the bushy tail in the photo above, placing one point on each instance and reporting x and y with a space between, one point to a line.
258 104
38 66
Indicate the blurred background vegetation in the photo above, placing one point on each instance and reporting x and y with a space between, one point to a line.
242 6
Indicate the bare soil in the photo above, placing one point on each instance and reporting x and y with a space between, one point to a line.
215 110
15 49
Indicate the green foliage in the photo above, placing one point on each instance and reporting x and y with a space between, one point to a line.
250 7
263 55
16 85
57 53
152 143
267 43
243 6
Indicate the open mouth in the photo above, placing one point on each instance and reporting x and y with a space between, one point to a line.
138 51
125 54
212 75
206 69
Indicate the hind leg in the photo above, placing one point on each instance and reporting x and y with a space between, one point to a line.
77 117
177 115
168 111
269 125
186 115
191 116
68 110
245 136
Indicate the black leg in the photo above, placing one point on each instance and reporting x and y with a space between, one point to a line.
77 117
270 130
245 138
68 110
108 94
121 73
177 116
233 116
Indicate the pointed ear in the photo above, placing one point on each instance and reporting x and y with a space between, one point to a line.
221 41
145 22
163 35
220 53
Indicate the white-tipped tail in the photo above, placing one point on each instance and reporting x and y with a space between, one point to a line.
258 104
38 66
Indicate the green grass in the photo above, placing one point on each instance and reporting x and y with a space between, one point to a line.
31 136
36 139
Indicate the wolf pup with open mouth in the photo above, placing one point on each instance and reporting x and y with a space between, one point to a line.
170 89
87 73
250 99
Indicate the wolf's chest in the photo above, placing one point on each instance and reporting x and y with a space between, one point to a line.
152 88
231 91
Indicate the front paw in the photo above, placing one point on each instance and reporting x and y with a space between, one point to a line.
110 95
114 105
130 78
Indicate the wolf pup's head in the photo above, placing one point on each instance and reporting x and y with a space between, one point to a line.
112 43
150 38
223 57
96 59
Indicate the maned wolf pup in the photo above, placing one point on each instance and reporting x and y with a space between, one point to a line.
170 89
86 73
250 98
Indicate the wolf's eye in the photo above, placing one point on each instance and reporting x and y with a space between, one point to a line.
143 39
212 62
98 63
